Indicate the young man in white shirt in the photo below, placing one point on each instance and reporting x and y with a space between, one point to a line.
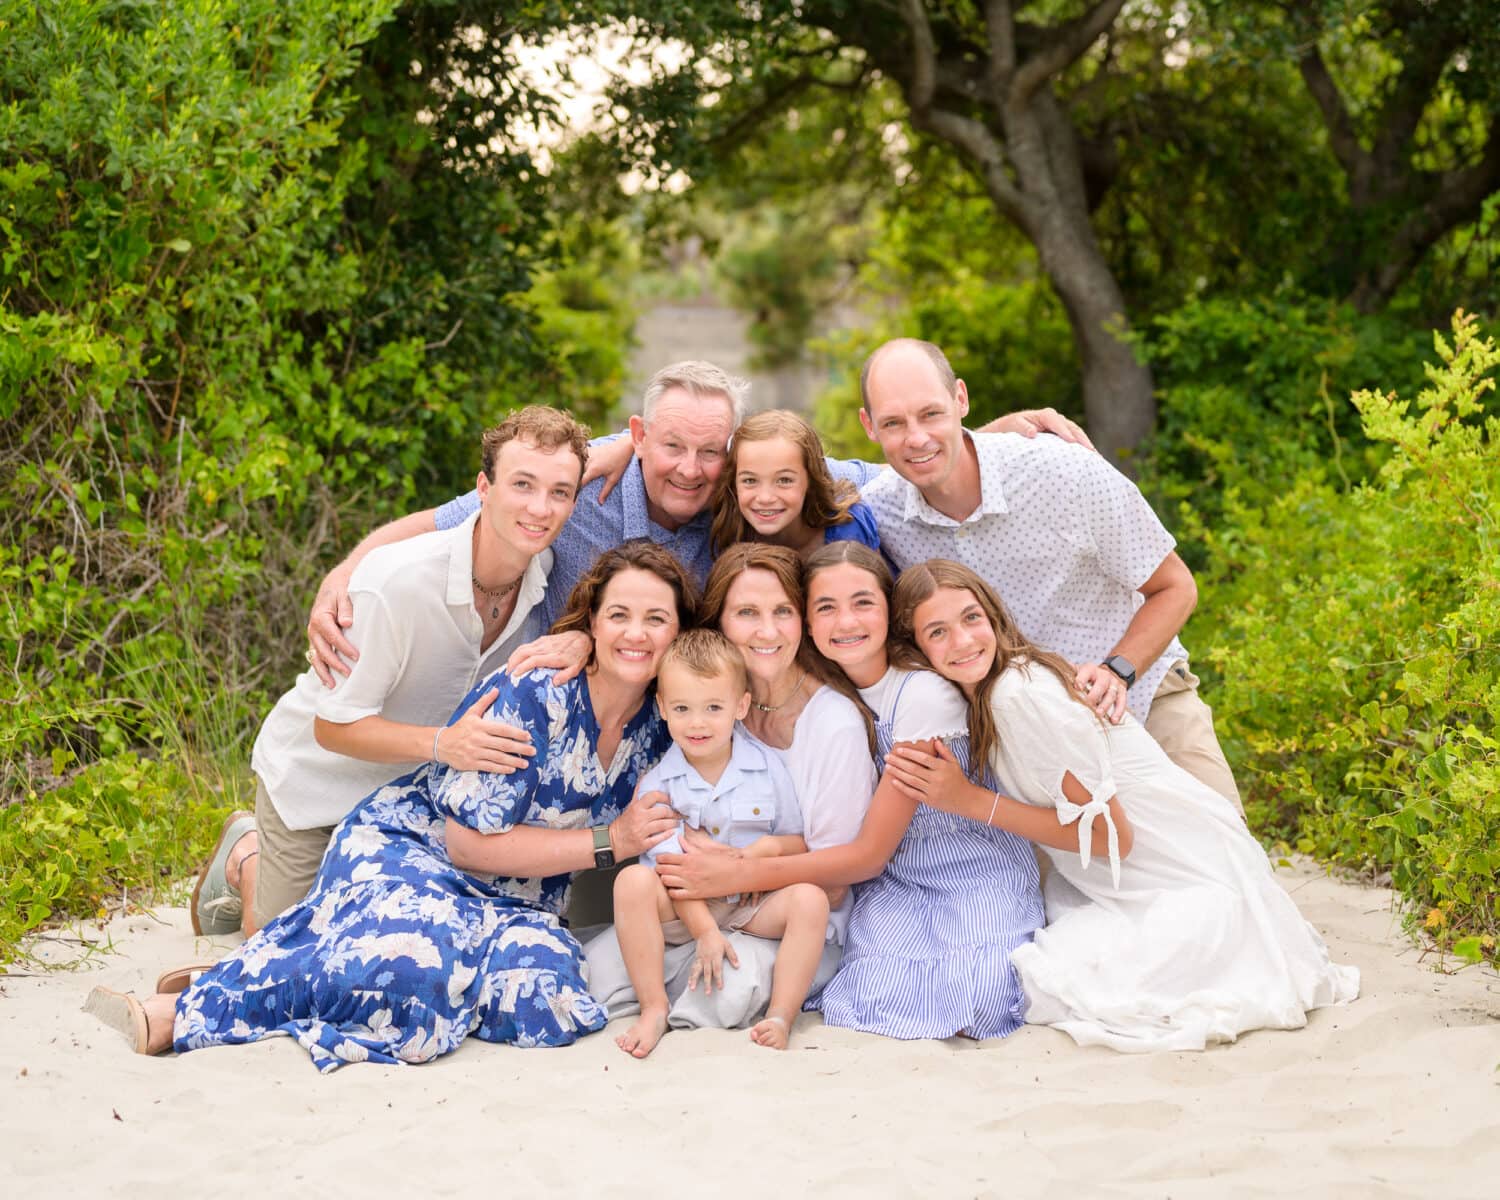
434 614
1071 545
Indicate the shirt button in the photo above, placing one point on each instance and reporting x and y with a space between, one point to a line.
755 811
716 829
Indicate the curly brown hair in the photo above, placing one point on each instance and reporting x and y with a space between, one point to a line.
544 427
917 585
787 569
638 554
827 502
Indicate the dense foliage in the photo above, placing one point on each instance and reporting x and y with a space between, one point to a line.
248 287
1355 635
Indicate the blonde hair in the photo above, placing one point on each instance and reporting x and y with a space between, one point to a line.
918 584
827 502
544 427
707 653
787 569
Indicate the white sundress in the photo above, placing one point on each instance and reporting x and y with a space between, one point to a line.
1187 941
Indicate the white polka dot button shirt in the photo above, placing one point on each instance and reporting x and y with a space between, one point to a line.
1062 536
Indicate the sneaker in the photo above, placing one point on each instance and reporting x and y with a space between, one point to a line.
216 907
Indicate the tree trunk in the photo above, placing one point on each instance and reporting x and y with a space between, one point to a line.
1119 401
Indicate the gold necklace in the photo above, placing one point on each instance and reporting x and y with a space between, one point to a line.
770 708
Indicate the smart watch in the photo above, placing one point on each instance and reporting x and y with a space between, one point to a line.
1122 667
604 853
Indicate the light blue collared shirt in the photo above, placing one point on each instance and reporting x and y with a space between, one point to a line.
754 797
594 528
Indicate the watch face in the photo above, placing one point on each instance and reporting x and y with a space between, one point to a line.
604 858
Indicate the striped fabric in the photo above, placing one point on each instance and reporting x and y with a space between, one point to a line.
929 943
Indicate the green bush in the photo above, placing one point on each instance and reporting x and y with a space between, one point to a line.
1356 633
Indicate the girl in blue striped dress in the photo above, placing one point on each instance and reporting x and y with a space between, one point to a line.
929 942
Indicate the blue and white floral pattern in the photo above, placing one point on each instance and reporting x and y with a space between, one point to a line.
396 955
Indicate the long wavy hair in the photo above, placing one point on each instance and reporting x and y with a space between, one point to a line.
917 585
638 554
827 502
786 567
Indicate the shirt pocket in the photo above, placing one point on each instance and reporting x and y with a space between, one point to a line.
753 817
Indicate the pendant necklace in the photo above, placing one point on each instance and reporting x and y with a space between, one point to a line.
770 708
495 595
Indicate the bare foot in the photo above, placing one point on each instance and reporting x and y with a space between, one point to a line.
641 1038
771 1033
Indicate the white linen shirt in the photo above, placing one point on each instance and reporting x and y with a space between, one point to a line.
418 637
1062 536
753 798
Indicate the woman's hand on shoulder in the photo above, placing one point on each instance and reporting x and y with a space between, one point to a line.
475 743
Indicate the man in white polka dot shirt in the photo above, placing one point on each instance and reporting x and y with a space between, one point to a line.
1071 545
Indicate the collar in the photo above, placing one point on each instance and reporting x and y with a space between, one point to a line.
991 488
746 757
638 522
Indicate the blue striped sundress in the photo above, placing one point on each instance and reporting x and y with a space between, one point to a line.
929 943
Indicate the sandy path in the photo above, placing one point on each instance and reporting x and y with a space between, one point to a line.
1397 1095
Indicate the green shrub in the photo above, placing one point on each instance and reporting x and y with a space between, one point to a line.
1356 633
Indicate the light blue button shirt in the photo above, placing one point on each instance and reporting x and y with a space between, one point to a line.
754 797
594 528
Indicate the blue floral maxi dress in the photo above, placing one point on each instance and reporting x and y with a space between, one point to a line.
397 955
930 938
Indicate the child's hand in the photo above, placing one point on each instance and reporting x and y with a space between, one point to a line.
708 963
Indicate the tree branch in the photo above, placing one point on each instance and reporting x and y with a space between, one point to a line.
1002 66
1344 142
1403 108
1459 197
1064 48
968 136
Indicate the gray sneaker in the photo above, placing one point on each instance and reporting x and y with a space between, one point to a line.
216 907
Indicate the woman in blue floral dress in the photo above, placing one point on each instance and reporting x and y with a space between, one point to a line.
436 910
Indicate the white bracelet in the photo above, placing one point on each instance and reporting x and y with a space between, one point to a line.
990 819
436 733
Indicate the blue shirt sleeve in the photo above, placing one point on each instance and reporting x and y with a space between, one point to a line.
860 527
652 782
456 511
855 470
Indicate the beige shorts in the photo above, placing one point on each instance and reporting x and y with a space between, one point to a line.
1183 726
728 915
289 859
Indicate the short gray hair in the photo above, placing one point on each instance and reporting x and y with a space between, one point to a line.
697 378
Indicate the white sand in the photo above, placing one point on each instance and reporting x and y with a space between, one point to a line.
1396 1095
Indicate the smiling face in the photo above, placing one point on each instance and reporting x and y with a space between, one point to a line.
770 484
760 618
682 451
848 619
635 622
700 711
532 494
918 424
953 631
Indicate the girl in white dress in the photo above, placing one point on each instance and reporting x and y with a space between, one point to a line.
1166 929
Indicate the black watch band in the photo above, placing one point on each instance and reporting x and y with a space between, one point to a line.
1122 667
604 853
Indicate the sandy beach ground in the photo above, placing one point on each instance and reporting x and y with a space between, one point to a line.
1396 1095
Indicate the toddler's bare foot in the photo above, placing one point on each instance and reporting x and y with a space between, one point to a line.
641 1038
771 1033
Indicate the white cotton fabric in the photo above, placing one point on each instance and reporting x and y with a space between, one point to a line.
831 768
928 706
418 637
1063 537
1194 941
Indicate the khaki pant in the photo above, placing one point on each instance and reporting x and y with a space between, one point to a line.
289 859
1183 726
